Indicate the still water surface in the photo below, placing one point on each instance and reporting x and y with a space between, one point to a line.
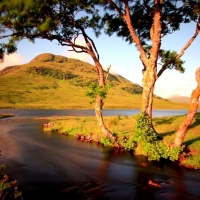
52 166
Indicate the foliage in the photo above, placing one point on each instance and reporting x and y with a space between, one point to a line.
44 19
106 142
127 142
8 189
96 90
142 13
154 148
49 72
165 56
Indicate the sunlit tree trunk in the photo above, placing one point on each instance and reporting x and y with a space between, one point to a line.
148 83
99 103
100 121
194 102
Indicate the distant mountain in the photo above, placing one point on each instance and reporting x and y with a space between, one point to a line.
53 81
178 98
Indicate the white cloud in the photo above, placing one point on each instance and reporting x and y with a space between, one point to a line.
170 83
12 59
175 84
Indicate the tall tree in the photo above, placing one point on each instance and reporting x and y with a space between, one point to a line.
61 20
194 102
145 23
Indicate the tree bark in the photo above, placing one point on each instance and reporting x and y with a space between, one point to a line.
100 121
148 83
194 102
99 104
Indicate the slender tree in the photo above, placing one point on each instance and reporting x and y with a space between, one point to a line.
145 23
60 20
194 102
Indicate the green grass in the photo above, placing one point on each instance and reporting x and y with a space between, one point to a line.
58 82
124 128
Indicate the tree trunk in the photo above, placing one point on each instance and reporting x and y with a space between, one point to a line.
148 83
180 134
99 104
98 112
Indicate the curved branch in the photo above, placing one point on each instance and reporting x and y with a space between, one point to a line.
92 48
136 39
164 67
116 7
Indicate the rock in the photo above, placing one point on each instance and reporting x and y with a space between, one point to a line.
154 184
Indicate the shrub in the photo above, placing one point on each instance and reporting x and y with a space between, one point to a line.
8 189
155 149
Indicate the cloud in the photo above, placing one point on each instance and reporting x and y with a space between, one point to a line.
12 59
175 84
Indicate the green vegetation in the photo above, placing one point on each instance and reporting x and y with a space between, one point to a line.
96 90
147 138
57 82
8 188
126 129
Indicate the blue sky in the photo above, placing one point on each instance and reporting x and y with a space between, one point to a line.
124 59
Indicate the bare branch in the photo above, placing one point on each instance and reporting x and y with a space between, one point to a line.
107 74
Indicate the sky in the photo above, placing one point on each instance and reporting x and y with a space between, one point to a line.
124 58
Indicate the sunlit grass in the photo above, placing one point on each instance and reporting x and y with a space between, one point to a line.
124 128
22 87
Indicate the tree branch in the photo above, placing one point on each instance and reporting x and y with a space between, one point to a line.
135 37
116 7
107 74
155 31
164 67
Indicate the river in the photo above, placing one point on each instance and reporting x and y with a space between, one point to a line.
52 166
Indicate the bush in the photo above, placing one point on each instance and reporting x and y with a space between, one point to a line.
8 188
153 148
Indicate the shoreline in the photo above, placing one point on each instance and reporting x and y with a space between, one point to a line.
189 158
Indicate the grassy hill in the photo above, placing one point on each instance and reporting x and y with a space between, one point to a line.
52 81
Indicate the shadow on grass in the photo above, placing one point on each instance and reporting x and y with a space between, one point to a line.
189 142
196 121
165 121
167 133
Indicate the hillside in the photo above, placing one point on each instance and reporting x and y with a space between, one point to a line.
178 98
52 81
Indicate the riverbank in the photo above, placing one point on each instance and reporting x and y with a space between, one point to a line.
85 128
4 115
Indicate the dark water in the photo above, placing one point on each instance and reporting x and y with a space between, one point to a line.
52 166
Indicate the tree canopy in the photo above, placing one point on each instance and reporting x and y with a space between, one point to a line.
48 19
